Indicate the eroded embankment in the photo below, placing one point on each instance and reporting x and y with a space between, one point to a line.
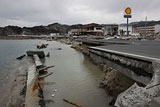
114 82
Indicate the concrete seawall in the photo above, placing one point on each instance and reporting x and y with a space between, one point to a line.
138 68
32 100
125 63
137 96
34 95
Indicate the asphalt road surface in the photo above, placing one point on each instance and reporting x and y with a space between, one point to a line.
143 48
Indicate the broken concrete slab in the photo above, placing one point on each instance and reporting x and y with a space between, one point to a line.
32 99
137 96
155 102
37 61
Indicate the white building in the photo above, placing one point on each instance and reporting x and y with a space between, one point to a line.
147 30
94 29
54 34
122 30
157 28
110 29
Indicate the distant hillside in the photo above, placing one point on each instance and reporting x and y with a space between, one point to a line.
146 23
56 28
10 30
77 26
38 30
143 23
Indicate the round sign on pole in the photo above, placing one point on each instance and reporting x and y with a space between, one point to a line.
128 10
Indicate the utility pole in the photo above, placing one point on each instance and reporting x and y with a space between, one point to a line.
145 26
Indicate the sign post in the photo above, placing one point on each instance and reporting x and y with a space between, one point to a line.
127 15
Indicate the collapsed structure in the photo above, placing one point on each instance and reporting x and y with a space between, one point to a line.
147 96
115 29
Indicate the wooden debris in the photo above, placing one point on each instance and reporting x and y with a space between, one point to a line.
42 46
59 48
49 83
45 68
20 57
70 102
46 75
50 101
152 86
35 87
48 55
40 54
41 85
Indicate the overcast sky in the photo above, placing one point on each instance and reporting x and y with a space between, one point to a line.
44 12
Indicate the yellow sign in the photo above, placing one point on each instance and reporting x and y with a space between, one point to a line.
128 10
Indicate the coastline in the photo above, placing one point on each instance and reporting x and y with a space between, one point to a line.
17 37
113 82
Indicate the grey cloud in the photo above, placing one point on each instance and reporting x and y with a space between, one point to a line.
74 11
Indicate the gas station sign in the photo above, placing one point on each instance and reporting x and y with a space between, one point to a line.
127 15
128 10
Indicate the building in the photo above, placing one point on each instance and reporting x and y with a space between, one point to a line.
78 31
110 29
94 29
89 29
54 34
147 30
122 30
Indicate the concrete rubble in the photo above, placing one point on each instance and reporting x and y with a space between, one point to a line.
42 46
34 92
32 99
137 96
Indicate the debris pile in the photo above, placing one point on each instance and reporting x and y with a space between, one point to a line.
40 54
21 57
114 83
36 73
137 96
42 46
